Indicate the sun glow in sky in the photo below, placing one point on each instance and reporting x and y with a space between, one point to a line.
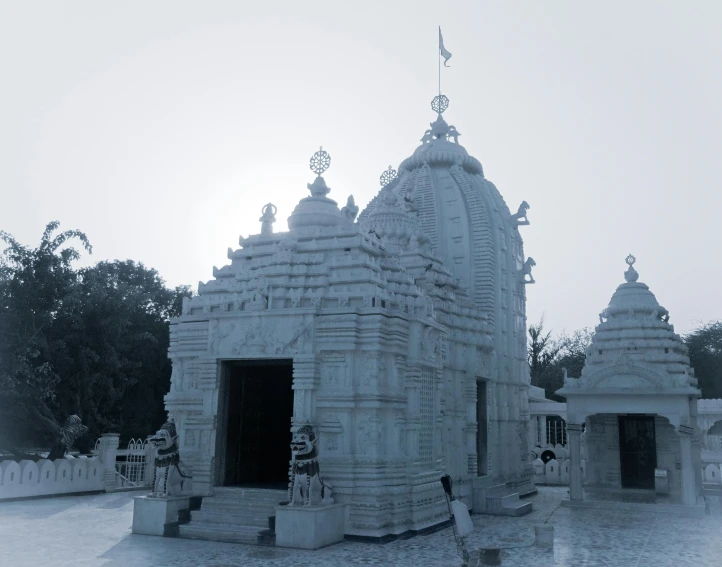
161 128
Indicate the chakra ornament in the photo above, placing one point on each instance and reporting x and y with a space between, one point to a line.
631 274
440 103
388 176
320 161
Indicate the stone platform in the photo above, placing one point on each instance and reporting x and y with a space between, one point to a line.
94 531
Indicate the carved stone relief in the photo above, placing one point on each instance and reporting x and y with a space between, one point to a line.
370 435
334 368
260 335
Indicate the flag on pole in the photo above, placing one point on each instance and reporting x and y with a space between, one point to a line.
442 50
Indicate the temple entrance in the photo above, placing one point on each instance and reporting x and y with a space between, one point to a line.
258 410
637 451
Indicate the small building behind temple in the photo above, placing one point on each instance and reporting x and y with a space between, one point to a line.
636 401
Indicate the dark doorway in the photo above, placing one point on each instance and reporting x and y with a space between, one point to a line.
637 451
481 434
259 410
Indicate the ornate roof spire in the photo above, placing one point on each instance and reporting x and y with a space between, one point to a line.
268 217
631 274
319 163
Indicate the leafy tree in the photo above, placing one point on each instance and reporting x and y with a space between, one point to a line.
705 355
113 338
34 284
92 342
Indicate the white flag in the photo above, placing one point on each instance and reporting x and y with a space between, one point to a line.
444 53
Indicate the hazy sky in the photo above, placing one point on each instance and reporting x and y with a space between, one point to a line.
161 128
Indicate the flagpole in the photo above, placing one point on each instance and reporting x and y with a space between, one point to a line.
439 57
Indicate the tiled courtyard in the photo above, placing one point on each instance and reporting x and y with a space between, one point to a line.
83 531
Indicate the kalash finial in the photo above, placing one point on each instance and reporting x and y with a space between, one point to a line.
388 176
631 274
319 163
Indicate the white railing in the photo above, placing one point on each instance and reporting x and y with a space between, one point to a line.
132 465
126 469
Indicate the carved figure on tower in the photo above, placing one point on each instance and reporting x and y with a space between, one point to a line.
520 217
351 209
526 271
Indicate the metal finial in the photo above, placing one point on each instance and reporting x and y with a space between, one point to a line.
631 274
440 103
387 176
320 161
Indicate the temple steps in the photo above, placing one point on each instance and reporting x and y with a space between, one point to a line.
500 503
234 515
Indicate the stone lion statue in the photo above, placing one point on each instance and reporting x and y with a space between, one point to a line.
526 270
520 216
306 487
168 477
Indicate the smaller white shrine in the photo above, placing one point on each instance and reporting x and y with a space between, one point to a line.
636 401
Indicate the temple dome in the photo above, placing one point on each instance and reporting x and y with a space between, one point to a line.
316 211
471 230
635 325
394 223
464 217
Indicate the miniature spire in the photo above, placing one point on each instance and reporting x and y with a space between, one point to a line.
631 274
268 217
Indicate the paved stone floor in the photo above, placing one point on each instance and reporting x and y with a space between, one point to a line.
84 531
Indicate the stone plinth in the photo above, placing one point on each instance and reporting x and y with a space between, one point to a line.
544 535
158 516
310 527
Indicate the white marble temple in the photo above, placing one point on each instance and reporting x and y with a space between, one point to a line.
405 330
636 365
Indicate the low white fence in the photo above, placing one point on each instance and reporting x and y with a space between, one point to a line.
44 477
556 470
132 464
107 469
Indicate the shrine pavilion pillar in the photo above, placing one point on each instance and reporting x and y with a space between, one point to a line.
574 438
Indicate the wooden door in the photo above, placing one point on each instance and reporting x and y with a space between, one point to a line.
637 451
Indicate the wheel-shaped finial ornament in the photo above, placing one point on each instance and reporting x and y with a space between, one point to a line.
320 161
388 176
630 260
440 103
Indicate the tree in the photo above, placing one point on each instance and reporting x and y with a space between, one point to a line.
92 342
112 339
548 357
34 284
705 355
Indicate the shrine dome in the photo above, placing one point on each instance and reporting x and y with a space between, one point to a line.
636 326
465 218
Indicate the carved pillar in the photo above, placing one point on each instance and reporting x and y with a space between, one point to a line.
306 377
689 492
574 434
